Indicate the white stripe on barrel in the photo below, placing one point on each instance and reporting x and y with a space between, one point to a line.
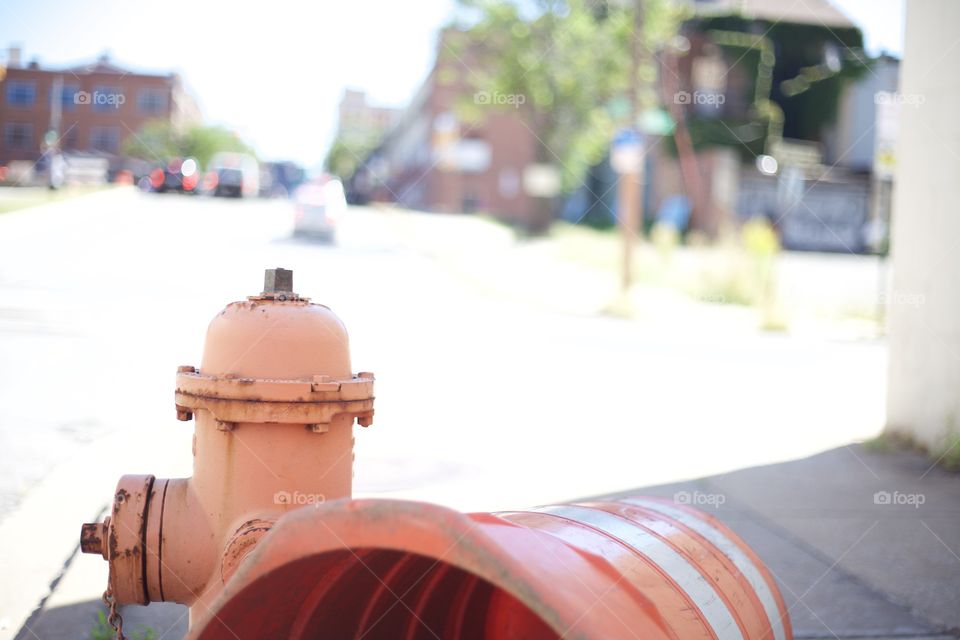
736 555
697 588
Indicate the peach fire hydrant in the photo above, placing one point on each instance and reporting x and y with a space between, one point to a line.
274 402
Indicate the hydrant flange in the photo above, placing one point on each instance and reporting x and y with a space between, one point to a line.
307 401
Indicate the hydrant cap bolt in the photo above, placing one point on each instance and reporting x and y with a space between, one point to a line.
278 280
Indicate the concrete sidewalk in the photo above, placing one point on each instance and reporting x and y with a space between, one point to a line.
863 544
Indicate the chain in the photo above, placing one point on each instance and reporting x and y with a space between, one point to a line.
114 619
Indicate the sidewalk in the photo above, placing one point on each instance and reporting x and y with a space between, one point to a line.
576 271
849 565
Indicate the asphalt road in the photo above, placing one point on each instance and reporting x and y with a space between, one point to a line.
482 402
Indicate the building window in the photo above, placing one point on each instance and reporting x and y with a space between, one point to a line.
107 99
71 139
105 139
21 93
152 101
67 93
17 135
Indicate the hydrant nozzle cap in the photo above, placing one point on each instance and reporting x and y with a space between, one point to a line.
93 537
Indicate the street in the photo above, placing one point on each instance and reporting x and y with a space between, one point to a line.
482 403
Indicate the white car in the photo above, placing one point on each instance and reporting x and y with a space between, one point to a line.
320 205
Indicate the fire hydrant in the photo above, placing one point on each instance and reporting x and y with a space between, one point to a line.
274 402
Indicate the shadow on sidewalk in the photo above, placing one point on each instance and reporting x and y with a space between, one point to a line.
863 545
79 621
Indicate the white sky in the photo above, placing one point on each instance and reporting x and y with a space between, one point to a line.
274 71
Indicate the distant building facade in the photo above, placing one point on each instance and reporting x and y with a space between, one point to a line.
852 143
93 108
769 77
358 118
434 160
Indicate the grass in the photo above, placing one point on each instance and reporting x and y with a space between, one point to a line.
16 198
103 631
950 457
947 455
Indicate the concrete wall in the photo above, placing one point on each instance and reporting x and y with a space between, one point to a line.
924 303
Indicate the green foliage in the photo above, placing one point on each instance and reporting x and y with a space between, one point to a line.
157 141
203 143
347 153
568 61
103 631
154 141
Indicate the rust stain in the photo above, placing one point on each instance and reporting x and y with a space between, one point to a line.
242 543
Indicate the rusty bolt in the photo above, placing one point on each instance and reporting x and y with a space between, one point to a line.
186 368
365 375
92 536
184 415
278 281
319 428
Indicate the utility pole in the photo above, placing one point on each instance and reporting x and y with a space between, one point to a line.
630 187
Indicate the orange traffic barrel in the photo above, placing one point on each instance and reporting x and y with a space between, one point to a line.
628 568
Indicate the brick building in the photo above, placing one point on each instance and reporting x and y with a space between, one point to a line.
93 108
435 161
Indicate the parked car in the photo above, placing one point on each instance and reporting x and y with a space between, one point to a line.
178 175
233 174
320 205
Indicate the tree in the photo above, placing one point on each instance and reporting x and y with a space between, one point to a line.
154 142
569 60
157 141
347 153
203 142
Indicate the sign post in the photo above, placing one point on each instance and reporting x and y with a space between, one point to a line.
626 158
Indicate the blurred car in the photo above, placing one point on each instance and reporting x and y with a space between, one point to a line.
178 175
320 205
233 174
280 179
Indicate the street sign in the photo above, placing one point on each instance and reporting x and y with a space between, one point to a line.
656 122
626 151
886 131
541 180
